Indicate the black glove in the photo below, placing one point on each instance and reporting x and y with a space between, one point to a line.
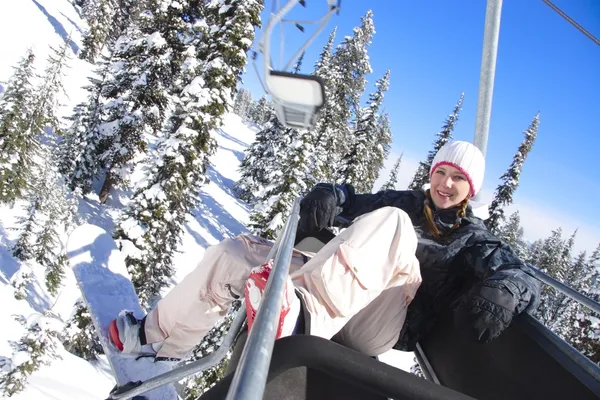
484 313
319 208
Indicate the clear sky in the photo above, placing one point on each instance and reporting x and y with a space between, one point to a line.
433 49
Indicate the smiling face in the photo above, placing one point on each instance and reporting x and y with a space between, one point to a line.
449 186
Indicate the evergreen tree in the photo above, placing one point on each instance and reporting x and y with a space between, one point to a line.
382 144
361 165
287 181
22 279
50 208
510 180
44 119
243 102
298 64
512 233
281 172
259 111
153 222
36 347
85 139
262 160
50 213
587 337
393 180
146 62
79 334
99 17
551 262
107 20
17 139
421 176
324 126
351 65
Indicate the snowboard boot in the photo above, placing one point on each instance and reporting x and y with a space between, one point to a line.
290 308
124 333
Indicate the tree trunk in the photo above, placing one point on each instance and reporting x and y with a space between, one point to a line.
108 183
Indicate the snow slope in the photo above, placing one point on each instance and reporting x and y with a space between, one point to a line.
40 24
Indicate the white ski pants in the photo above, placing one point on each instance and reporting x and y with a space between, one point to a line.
358 286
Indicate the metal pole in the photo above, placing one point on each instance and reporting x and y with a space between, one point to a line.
189 369
488 71
566 290
251 374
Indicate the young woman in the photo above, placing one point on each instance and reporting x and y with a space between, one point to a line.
380 283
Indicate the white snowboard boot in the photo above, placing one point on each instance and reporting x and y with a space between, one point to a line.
124 333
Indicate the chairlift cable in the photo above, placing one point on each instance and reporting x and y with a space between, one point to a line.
573 22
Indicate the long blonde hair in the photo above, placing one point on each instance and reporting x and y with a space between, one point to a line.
429 216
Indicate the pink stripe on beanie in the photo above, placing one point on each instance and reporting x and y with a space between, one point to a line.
465 157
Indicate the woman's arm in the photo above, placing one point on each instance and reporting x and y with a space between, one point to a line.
359 204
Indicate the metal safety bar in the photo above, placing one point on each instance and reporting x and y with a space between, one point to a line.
250 376
491 35
566 290
130 390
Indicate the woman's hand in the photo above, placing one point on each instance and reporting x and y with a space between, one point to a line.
318 209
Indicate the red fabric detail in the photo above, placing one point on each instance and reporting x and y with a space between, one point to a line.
458 167
113 334
257 279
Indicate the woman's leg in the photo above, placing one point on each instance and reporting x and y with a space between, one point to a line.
192 308
376 328
375 254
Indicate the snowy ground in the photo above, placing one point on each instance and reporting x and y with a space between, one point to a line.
39 24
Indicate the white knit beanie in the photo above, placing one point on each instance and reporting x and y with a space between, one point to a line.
465 157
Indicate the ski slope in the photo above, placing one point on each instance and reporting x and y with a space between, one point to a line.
40 24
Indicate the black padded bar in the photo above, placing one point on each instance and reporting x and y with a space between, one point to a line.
348 365
516 365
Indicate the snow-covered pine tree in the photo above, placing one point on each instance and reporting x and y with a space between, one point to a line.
50 208
126 12
324 126
512 233
510 179
21 280
550 261
85 139
44 120
146 62
243 102
382 146
393 179
351 65
259 111
262 160
298 64
587 322
79 335
286 182
421 177
50 212
361 165
578 276
17 139
36 347
100 14
152 224
285 174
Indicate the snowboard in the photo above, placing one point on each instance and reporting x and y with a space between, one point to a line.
106 287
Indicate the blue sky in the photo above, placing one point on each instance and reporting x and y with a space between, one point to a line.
433 49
